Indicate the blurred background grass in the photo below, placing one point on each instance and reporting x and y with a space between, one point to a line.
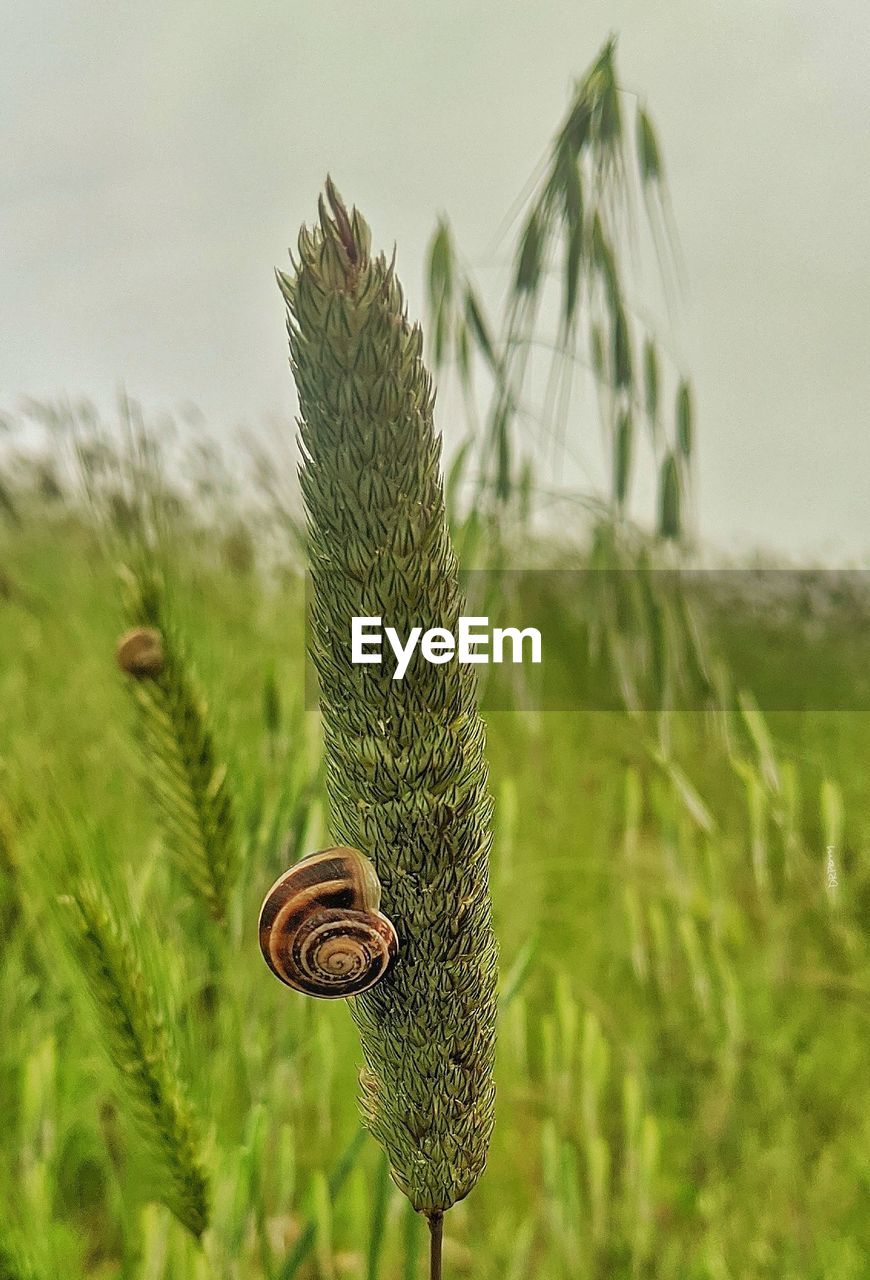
682 1069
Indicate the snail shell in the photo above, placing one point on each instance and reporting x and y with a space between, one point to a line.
140 653
320 928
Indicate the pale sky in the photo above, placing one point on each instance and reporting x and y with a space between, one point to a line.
157 160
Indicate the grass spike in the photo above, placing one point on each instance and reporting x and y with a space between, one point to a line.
416 801
136 1039
187 778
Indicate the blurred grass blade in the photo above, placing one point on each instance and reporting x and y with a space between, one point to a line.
519 971
334 1184
377 1230
412 1241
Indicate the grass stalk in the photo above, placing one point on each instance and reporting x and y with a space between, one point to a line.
436 1241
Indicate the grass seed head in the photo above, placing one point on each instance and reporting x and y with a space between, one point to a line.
416 800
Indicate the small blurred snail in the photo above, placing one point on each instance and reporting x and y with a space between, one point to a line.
321 930
140 653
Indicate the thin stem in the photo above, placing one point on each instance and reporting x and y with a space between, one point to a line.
436 1231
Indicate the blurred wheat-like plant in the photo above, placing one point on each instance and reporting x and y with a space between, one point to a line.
135 1036
183 768
578 226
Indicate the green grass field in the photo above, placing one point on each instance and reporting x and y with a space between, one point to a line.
683 1069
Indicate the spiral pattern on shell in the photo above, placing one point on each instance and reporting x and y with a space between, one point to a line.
320 928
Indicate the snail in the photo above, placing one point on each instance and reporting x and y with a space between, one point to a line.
321 931
140 653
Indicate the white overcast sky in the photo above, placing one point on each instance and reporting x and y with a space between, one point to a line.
158 158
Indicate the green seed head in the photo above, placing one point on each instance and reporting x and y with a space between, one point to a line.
405 759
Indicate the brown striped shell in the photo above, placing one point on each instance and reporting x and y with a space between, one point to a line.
140 653
320 928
